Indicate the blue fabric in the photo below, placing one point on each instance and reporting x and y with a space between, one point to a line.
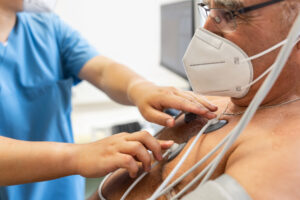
38 67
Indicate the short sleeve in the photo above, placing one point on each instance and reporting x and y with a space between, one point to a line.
75 51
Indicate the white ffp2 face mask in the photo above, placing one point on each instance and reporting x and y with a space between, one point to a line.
216 66
39 5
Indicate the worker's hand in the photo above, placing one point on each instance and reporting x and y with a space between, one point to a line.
152 100
119 151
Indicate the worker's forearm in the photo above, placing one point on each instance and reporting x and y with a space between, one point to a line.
113 78
117 80
23 162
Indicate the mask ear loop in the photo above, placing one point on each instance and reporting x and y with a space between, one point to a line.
261 54
260 95
259 78
230 138
276 46
163 189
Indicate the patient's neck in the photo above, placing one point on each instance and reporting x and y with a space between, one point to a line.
237 105
7 22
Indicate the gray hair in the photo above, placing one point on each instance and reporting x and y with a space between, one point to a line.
230 4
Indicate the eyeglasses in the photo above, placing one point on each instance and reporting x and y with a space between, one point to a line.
225 19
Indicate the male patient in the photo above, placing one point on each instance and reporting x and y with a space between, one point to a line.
265 160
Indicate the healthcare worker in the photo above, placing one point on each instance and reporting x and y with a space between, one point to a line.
41 58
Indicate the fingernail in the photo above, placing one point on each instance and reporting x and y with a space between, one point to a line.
131 175
170 122
170 142
213 105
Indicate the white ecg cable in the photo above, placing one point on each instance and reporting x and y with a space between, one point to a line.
180 163
275 71
260 95
167 153
226 139
207 156
101 185
258 78
190 184
270 68
276 46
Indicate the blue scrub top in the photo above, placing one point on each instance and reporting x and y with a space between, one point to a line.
38 67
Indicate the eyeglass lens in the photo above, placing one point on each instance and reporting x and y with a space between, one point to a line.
222 18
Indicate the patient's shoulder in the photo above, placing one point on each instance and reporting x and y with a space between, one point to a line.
267 160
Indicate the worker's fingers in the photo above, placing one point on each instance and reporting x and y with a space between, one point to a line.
129 163
138 150
156 116
203 100
197 99
184 104
166 144
148 141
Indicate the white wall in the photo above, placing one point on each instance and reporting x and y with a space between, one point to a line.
127 31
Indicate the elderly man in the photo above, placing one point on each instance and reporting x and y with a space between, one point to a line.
264 161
